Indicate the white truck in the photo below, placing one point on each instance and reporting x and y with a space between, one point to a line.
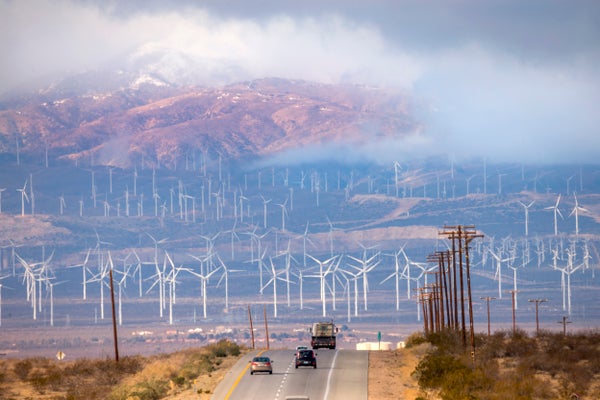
323 335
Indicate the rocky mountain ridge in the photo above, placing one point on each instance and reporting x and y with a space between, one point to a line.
161 123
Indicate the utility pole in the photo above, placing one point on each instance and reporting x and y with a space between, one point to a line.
468 240
424 300
537 321
266 325
564 322
461 237
114 319
445 282
487 300
514 319
251 327
439 287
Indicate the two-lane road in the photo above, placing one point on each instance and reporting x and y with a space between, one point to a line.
340 374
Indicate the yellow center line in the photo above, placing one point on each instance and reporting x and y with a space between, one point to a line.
239 378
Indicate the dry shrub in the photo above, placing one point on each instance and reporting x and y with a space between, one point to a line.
415 339
46 376
133 377
174 372
22 368
514 366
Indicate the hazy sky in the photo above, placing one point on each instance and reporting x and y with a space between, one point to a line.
511 80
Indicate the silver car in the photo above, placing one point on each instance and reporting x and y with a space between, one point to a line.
261 364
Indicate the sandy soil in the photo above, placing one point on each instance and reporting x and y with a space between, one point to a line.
390 374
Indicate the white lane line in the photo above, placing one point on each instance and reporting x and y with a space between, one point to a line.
282 384
329 376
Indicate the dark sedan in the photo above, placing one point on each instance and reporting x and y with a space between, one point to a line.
306 358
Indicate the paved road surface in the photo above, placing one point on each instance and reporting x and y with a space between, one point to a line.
340 374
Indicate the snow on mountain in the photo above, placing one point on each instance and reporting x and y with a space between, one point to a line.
151 107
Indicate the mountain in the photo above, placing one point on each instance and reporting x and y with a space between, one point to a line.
122 117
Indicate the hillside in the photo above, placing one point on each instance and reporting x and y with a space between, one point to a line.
163 125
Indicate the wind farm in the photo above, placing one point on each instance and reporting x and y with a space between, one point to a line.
180 174
356 252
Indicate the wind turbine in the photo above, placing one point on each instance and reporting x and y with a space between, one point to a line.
156 243
100 277
425 270
283 214
261 255
396 275
24 197
354 278
33 279
234 237
305 238
406 273
121 283
61 204
203 278
288 264
29 280
468 180
273 280
138 270
219 203
210 245
587 256
265 202
31 194
500 182
556 212
225 276
156 198
575 212
171 279
83 270
366 266
570 270
51 285
1 190
241 199
514 268
498 275
397 168
321 276
160 281
13 257
526 207
334 271
330 234
300 277
347 291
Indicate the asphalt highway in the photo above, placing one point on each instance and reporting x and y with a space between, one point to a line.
340 374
